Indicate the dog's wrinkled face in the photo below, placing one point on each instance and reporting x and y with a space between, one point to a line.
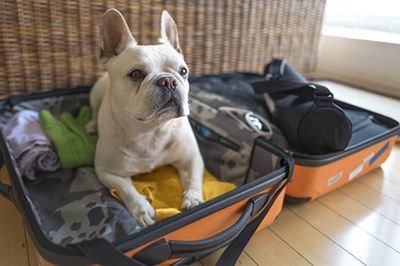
150 82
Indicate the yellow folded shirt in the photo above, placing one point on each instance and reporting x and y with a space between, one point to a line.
163 190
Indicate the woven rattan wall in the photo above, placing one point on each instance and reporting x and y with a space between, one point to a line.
49 44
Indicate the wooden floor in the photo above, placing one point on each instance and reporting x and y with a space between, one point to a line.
358 224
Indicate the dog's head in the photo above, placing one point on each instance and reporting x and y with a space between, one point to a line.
148 82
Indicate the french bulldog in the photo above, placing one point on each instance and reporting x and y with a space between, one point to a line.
140 108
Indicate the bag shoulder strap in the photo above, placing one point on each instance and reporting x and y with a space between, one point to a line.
280 77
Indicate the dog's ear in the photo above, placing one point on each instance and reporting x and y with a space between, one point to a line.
169 32
114 35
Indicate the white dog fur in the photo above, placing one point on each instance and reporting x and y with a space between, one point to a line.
140 108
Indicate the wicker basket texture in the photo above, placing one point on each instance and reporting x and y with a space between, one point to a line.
50 44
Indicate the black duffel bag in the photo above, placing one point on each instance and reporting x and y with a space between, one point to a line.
305 112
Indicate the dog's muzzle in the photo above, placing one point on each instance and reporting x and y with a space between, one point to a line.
167 83
169 98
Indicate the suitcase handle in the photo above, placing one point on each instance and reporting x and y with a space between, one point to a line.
102 251
178 249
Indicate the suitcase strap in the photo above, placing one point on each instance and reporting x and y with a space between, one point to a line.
235 248
105 253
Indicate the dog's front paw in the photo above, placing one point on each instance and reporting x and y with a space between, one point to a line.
191 198
143 212
91 127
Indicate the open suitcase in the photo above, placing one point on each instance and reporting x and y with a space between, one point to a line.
369 141
73 220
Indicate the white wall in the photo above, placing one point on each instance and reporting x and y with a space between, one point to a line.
367 64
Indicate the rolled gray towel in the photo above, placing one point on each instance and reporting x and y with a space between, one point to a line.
32 149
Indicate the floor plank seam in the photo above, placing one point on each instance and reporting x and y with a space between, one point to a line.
328 237
356 225
380 192
255 262
365 205
295 250
386 178
26 245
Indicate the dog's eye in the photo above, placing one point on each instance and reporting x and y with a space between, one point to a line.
136 75
183 71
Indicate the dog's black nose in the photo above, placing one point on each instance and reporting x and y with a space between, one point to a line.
167 82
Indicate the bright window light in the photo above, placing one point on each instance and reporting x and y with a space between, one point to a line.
382 15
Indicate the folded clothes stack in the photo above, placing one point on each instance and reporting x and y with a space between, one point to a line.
42 142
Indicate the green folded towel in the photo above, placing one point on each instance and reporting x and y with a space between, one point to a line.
75 147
